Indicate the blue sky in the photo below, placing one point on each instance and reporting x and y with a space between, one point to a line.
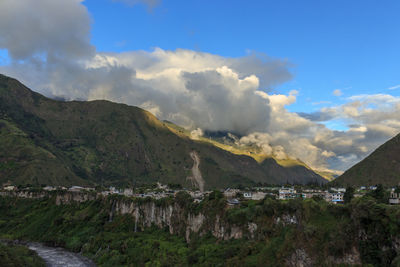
348 45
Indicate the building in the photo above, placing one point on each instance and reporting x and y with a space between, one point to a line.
336 197
230 193
10 188
394 198
248 195
49 188
128 192
196 194
338 190
113 190
287 193
76 188
307 195
258 195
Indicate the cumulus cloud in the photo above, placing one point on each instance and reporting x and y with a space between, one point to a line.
371 120
50 51
290 135
45 27
189 88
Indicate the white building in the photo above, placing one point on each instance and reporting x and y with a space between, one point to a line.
287 193
76 188
336 197
10 188
49 188
196 194
339 190
258 195
248 195
394 198
128 192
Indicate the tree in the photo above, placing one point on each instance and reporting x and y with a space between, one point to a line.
349 194
379 194
397 190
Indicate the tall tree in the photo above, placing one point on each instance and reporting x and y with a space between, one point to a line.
349 194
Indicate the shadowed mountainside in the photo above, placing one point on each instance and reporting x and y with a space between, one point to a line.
44 141
381 167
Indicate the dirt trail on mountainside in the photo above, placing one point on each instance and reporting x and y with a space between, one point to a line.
196 177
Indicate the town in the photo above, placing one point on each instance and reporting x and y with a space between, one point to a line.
234 196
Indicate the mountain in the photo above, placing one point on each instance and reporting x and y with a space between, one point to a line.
45 141
230 142
380 167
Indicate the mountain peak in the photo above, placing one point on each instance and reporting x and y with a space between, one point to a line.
381 167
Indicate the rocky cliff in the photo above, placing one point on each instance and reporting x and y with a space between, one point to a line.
307 233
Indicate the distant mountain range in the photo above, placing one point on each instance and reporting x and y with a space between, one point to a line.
45 141
381 167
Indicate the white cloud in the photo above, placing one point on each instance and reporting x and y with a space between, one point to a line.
372 120
45 28
337 92
394 87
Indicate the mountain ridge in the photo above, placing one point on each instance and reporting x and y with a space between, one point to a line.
221 140
382 166
99 142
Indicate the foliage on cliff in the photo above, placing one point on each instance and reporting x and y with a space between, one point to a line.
307 231
18 256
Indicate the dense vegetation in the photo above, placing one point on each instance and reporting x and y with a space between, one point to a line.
380 167
310 231
19 256
51 142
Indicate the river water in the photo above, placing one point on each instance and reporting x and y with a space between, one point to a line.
58 257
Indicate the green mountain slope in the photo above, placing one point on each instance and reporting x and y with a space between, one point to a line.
44 141
381 167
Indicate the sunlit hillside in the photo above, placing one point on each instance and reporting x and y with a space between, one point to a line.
253 151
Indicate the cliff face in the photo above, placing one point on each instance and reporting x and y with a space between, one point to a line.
307 233
179 221
148 213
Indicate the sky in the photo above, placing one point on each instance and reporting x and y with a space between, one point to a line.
351 46
313 80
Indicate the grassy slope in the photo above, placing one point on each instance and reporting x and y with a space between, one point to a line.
101 142
381 167
25 162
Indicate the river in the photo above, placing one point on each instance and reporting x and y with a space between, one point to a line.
57 257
